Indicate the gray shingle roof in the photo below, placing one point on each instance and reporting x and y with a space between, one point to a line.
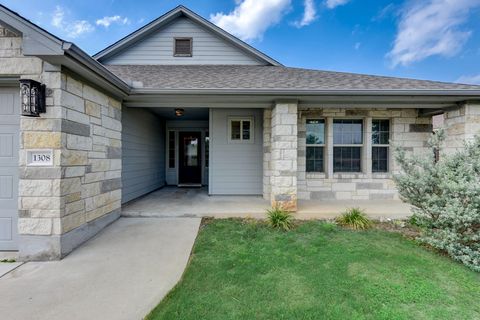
266 78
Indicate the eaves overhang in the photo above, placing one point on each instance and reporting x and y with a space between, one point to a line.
307 98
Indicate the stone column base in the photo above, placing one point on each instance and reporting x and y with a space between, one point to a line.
285 201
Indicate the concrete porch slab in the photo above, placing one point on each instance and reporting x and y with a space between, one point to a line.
185 202
120 274
6 267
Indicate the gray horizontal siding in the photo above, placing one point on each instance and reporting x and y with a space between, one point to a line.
157 48
235 168
143 156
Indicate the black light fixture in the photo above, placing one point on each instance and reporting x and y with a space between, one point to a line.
33 97
179 112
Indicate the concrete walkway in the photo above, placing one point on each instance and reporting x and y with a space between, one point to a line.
185 202
120 274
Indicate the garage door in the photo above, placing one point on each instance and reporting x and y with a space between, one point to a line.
9 145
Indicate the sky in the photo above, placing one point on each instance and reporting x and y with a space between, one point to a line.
423 39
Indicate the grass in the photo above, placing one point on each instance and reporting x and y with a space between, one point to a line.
280 219
246 270
354 218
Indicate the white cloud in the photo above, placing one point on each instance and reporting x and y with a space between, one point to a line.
107 21
251 18
331 4
429 28
475 79
71 29
309 15
357 45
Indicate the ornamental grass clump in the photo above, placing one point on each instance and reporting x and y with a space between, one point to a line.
445 195
354 218
279 218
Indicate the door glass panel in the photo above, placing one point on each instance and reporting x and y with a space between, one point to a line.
191 151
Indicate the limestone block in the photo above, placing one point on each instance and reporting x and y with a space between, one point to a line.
74 86
76 116
77 171
21 65
74 158
35 226
93 109
75 142
36 188
40 124
72 101
94 95
42 140
72 221
70 185
90 190
94 177
47 203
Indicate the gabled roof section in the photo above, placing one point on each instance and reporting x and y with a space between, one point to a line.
38 42
169 17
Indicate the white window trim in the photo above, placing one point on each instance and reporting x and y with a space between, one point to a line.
241 119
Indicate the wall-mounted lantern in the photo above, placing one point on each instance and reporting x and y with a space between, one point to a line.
179 112
32 94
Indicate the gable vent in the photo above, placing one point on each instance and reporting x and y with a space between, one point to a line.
183 47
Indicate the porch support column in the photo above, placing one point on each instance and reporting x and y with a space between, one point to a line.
284 155
461 125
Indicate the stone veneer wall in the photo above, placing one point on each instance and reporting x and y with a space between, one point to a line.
62 206
461 124
267 155
283 157
407 130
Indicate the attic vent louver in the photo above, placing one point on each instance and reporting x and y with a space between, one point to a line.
183 47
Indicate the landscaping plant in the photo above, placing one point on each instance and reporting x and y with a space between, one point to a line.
354 218
279 218
445 194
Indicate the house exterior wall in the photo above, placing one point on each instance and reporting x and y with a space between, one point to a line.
235 168
143 150
407 130
157 48
62 205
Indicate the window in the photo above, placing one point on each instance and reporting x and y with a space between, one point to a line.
240 130
315 137
171 149
347 145
183 47
380 145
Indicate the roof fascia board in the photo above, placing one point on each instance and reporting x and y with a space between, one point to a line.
167 18
417 93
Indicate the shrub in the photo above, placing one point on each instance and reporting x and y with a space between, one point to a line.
354 218
445 196
280 219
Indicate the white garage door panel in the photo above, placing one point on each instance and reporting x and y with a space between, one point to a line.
9 145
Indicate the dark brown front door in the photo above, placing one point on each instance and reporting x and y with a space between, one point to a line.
190 168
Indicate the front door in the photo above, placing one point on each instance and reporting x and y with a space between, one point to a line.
190 166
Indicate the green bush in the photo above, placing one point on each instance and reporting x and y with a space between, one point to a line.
445 195
280 219
354 218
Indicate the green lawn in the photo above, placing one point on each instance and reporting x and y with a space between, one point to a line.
244 270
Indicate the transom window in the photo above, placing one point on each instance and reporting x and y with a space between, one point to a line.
240 130
182 47
380 145
347 145
315 139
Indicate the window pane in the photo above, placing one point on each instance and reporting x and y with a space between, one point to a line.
380 159
207 148
347 159
314 160
171 149
380 131
315 131
347 131
246 130
235 124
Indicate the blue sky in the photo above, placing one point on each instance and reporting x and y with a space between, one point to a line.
425 39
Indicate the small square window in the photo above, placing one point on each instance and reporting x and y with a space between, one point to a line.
240 130
183 47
